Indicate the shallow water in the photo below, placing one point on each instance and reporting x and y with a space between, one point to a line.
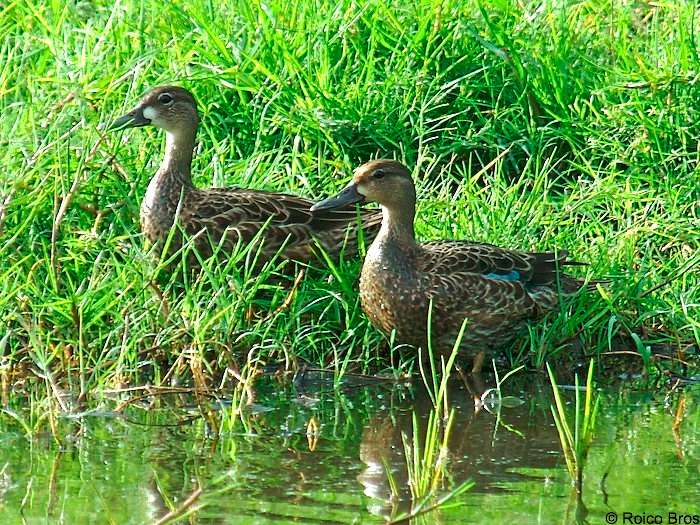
132 467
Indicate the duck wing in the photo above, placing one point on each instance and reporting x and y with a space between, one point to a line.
237 214
494 308
491 262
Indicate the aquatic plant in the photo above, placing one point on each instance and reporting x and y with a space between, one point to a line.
427 451
575 433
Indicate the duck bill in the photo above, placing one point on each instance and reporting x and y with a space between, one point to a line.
133 119
348 196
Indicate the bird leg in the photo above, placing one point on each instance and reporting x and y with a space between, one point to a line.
478 362
475 386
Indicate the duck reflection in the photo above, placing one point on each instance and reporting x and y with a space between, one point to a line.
484 448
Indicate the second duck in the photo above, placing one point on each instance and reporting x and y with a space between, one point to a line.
218 219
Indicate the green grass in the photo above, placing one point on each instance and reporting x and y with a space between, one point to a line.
531 125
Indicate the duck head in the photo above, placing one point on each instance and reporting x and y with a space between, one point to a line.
384 181
171 108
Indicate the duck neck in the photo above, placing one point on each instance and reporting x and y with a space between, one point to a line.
175 170
397 225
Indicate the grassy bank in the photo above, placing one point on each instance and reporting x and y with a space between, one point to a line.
533 126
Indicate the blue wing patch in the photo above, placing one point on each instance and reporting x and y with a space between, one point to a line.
510 276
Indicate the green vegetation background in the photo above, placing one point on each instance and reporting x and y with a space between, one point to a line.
533 125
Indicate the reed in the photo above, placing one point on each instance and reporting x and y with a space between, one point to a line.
576 431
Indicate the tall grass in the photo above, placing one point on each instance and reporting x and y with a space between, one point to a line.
535 125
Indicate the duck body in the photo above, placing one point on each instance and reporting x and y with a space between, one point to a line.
399 285
217 220
498 291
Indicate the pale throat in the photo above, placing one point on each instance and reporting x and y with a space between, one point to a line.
177 160
397 224
175 148
179 146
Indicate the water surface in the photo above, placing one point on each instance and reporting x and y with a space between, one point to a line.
130 468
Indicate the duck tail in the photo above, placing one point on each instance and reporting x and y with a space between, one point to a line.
547 266
548 270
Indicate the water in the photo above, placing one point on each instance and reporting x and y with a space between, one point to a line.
131 468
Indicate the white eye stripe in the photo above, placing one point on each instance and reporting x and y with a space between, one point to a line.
149 113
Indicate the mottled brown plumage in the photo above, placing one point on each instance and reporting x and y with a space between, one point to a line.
218 219
495 289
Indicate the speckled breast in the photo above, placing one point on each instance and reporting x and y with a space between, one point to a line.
391 302
158 210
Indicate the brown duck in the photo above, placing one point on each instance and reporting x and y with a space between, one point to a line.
218 219
497 290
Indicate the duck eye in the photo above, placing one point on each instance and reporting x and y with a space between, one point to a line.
165 98
378 174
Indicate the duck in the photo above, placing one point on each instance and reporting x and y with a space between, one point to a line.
217 220
496 290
